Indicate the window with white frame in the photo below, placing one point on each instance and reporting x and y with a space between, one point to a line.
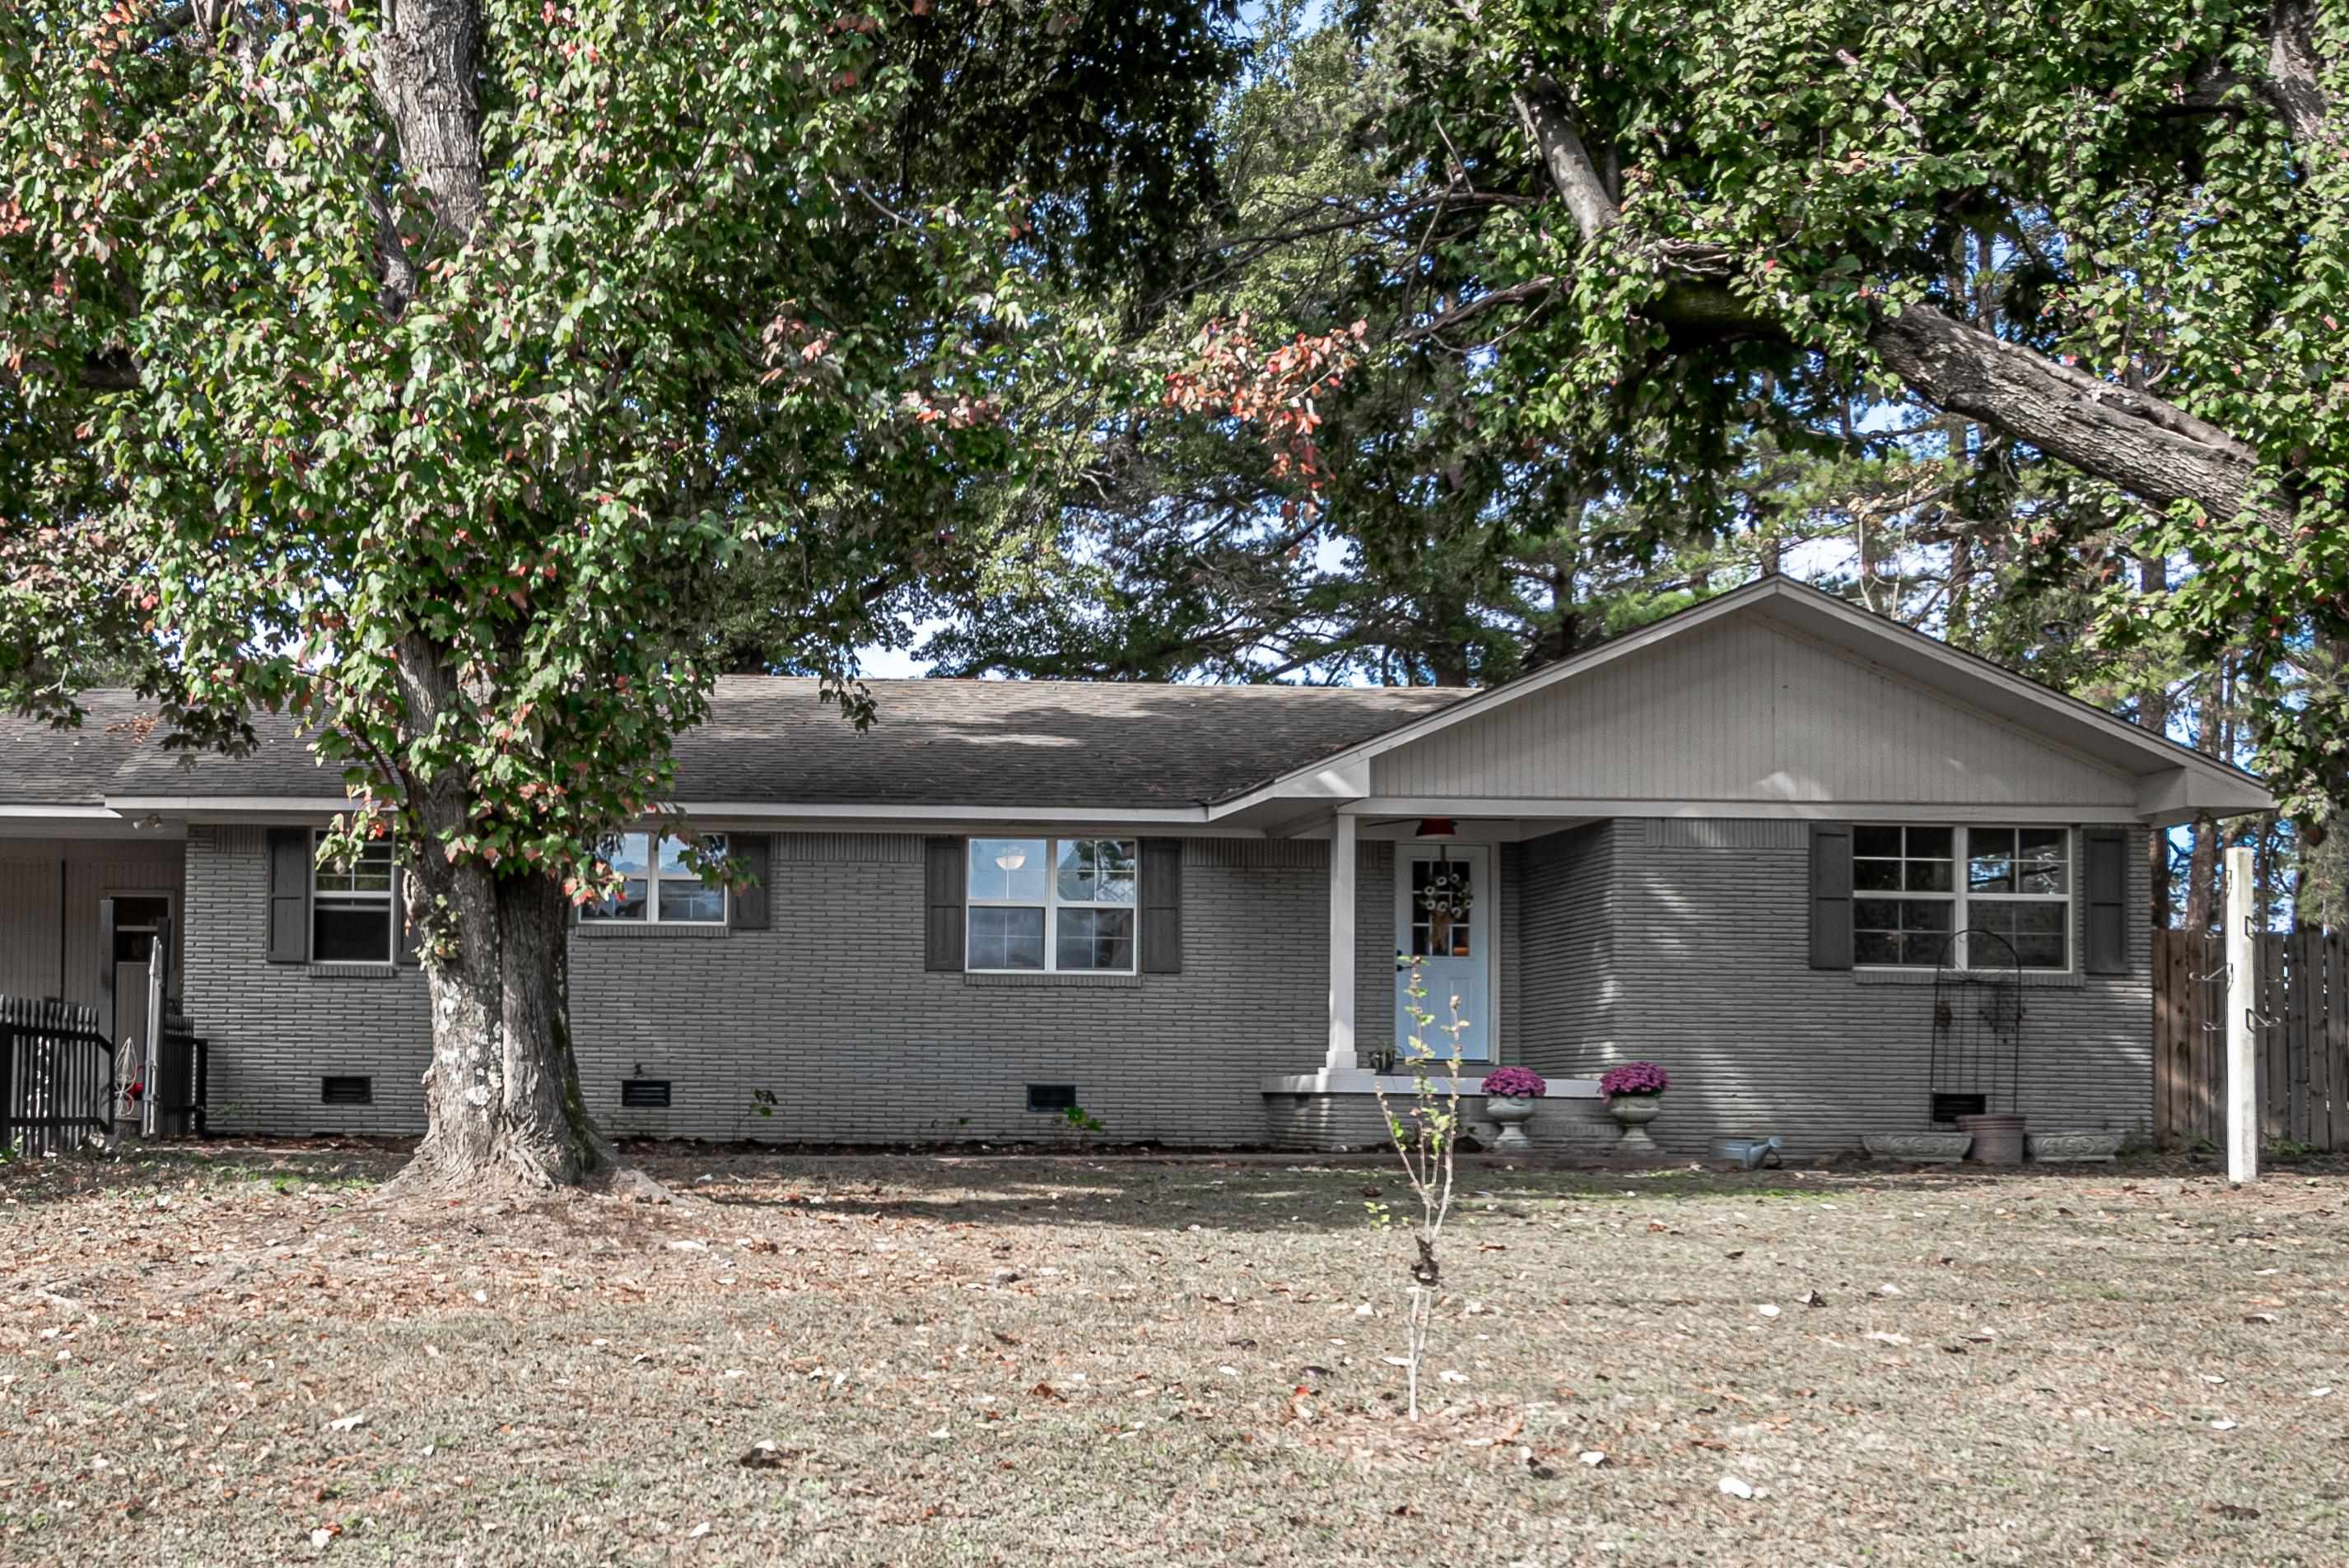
352 920
1914 887
657 887
1064 905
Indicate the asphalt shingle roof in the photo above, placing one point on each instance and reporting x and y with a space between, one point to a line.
48 767
772 739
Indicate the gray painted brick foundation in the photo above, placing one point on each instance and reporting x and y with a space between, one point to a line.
277 1029
1355 1122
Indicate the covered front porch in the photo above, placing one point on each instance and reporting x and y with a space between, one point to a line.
1475 908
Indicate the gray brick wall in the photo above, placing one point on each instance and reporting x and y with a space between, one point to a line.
831 1010
1566 922
276 1028
1710 977
1681 942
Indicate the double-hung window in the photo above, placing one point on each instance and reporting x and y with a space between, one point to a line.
1060 906
1914 888
352 920
657 887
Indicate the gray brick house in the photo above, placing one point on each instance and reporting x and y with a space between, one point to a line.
1736 844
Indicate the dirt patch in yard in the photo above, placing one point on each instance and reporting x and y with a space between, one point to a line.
232 1356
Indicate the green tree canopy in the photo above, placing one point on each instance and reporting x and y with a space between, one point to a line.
440 370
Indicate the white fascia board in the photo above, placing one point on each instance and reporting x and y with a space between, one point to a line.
882 812
231 808
1583 810
1340 778
813 818
59 813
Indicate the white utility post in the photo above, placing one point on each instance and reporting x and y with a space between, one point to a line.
2243 993
1341 943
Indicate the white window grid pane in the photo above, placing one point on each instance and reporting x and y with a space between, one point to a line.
1965 843
647 862
364 888
368 875
1125 859
629 854
667 871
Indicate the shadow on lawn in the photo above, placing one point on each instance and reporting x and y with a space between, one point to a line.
1141 1190
1143 1193
170 1167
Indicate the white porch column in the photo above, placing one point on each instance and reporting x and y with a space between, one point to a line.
2242 1046
1342 854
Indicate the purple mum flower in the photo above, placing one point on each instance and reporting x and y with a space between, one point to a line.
1634 1077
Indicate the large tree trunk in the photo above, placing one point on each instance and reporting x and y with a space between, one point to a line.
502 1096
2153 712
502 1108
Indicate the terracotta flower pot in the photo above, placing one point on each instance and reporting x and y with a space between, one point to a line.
1998 1138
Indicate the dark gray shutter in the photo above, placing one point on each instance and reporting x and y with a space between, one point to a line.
404 946
749 910
2104 853
1831 896
943 879
290 857
1162 906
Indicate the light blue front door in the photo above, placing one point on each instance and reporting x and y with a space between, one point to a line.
1444 918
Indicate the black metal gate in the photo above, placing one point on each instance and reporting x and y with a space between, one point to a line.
57 1087
1976 1059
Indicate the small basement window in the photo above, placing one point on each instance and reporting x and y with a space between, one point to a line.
1950 1107
1052 1097
349 1090
644 1094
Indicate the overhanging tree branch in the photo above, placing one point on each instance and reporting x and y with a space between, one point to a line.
2152 449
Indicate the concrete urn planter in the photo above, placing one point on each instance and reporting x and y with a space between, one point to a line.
2099 1146
1930 1148
1509 1113
1633 1112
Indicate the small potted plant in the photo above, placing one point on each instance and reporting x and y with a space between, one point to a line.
1509 1095
1635 1097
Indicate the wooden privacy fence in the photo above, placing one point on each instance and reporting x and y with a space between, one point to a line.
2300 1029
57 1077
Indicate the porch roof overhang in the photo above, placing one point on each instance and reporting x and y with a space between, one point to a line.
68 820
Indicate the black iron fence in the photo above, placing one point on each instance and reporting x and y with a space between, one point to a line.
58 1086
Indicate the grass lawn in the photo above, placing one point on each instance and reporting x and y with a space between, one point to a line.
231 1358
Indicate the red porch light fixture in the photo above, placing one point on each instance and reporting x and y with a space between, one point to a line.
1437 828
